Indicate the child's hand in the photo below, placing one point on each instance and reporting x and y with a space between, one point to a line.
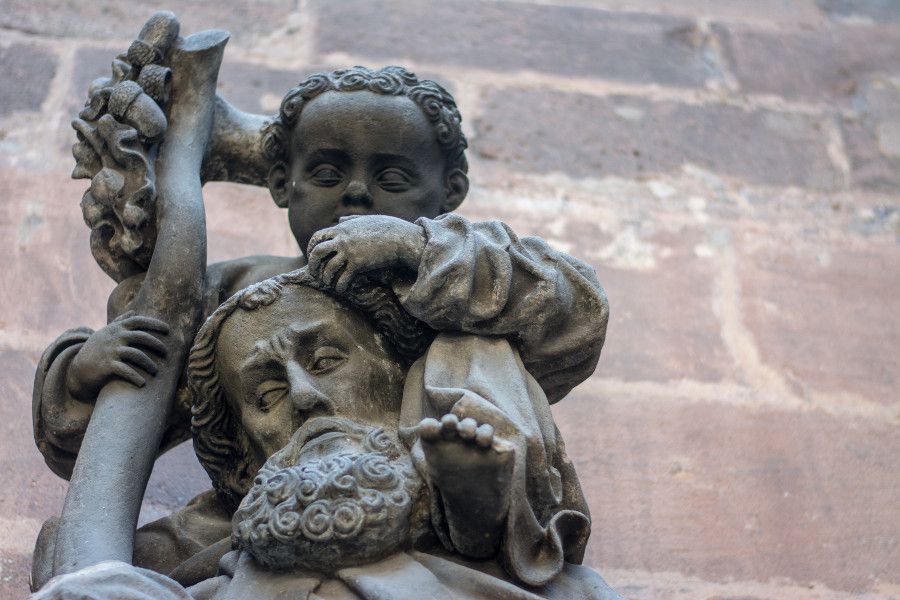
357 245
118 350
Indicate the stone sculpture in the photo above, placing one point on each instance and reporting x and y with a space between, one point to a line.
373 414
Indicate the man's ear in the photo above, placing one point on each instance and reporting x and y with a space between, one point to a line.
457 186
278 184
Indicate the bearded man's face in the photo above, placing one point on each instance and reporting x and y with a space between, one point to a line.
304 356
339 494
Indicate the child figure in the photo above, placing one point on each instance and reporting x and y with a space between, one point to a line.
370 165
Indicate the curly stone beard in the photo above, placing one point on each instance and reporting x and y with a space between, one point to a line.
343 510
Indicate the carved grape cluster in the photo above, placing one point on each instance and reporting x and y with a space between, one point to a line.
117 132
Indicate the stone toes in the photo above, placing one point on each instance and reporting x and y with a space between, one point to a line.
467 428
429 429
484 435
449 424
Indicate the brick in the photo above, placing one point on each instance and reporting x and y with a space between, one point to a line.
880 11
31 491
826 65
826 318
50 281
662 326
559 40
256 88
872 137
15 572
784 13
122 20
725 493
27 72
587 136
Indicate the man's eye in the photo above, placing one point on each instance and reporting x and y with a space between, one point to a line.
327 358
394 180
326 176
269 393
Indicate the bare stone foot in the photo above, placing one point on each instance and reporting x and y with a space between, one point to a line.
472 469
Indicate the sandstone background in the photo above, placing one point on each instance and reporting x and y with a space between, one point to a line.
731 168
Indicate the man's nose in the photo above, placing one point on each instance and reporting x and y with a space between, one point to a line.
357 194
306 399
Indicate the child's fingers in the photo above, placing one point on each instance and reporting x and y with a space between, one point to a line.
320 236
138 359
127 373
146 323
320 256
345 279
142 339
333 270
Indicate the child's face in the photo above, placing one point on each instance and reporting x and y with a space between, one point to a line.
362 153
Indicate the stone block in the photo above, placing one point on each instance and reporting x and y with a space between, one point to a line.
880 11
32 492
118 20
510 37
727 493
872 137
825 317
26 71
824 65
783 13
587 136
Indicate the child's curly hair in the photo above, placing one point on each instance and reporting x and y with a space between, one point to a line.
436 103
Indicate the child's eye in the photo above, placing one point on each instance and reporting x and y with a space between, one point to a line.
327 358
326 176
271 392
394 180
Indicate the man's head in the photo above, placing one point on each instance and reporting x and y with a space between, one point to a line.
358 141
281 352
339 494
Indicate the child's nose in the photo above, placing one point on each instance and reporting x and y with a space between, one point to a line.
357 194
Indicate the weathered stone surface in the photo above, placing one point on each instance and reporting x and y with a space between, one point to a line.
818 313
872 137
26 71
726 493
560 40
177 477
587 136
122 20
768 12
31 492
879 11
821 65
50 282
665 328
15 570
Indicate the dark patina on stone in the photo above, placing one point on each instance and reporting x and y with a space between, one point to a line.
374 414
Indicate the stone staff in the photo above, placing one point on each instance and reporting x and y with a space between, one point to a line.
104 498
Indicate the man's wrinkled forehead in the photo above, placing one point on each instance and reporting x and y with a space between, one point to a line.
298 309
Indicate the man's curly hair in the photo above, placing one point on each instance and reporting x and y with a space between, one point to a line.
220 442
436 103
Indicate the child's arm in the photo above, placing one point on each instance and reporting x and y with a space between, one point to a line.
481 278
79 363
